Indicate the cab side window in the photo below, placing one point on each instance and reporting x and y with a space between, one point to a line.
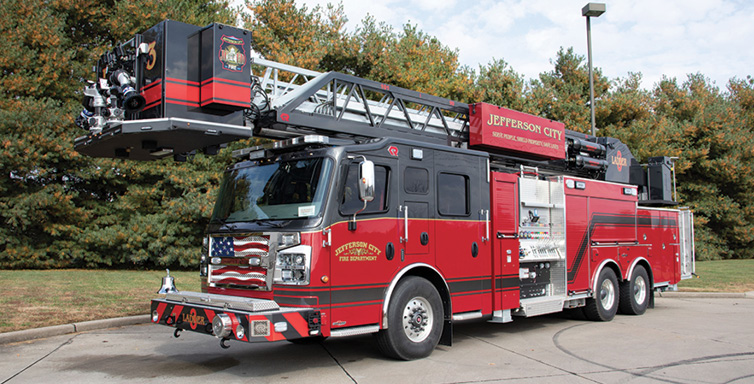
350 202
453 194
416 181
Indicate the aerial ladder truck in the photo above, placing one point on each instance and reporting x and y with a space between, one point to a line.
378 209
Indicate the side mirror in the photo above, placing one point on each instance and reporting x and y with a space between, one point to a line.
366 181
366 189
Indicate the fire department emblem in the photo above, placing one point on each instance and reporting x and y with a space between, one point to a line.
232 53
357 251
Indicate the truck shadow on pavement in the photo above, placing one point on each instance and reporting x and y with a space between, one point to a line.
197 355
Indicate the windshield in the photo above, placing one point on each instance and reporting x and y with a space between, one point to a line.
284 190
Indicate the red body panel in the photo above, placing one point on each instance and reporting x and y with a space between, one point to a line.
468 276
351 277
605 225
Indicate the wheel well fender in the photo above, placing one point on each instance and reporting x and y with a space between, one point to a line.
425 271
609 263
644 263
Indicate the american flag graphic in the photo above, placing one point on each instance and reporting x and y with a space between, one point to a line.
240 246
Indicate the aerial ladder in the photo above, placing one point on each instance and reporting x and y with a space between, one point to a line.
148 104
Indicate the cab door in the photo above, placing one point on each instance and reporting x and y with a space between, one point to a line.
463 253
416 211
362 255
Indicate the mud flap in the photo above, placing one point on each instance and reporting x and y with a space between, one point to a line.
447 333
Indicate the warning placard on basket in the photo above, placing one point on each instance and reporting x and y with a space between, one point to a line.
501 128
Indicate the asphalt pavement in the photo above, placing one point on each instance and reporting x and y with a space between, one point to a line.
681 340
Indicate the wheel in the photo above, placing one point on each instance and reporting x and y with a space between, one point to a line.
415 323
634 293
604 306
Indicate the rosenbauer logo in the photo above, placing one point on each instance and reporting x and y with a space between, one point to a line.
619 161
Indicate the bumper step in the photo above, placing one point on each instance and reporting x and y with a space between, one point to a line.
261 320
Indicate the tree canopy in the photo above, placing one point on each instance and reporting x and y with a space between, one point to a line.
61 209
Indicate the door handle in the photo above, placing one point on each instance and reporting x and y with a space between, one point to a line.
501 235
486 213
404 239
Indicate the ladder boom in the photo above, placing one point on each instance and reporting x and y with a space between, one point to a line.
143 111
344 105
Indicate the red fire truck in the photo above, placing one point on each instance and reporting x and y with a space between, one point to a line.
377 209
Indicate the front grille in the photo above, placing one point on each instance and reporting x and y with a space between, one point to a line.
229 261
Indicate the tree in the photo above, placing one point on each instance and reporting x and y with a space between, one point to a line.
498 84
563 94
297 36
316 39
716 138
627 112
61 209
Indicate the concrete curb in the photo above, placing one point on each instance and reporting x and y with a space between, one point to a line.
708 295
57 330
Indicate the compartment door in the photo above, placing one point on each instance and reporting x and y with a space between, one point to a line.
505 241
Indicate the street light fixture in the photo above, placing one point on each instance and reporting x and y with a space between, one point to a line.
591 10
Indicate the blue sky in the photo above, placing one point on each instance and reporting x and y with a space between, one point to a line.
660 37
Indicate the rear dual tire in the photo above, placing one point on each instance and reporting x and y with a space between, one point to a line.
635 293
604 305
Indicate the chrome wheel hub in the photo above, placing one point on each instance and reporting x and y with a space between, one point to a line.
417 319
607 294
640 290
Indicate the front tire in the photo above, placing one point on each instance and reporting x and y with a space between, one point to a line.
634 294
415 323
605 305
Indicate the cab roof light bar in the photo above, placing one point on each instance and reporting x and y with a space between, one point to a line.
260 151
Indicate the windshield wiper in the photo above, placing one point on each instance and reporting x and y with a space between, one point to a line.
272 223
224 222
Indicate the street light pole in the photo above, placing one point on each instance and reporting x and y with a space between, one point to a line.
591 10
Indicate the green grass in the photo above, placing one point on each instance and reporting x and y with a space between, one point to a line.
33 298
721 276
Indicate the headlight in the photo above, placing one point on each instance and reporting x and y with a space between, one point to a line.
293 266
221 325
